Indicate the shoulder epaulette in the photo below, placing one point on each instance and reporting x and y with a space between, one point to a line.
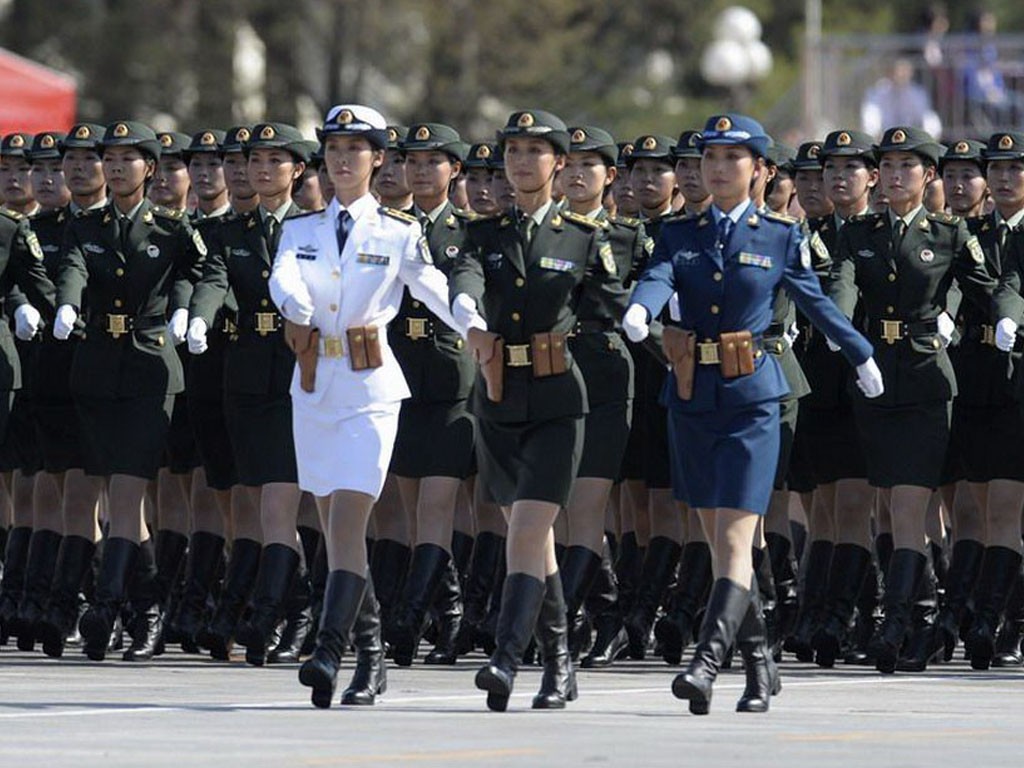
394 213
467 215
944 218
304 215
625 221
481 219
50 213
14 215
582 220
779 217
168 213
864 217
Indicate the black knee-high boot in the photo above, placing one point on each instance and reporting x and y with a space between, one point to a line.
119 556
845 580
675 630
787 584
726 608
521 602
963 572
812 599
923 643
389 566
762 675
605 604
278 568
155 574
343 598
43 549
13 584
906 568
558 682
483 566
426 570
61 615
243 565
205 554
578 570
658 567
298 620
447 612
370 677
999 571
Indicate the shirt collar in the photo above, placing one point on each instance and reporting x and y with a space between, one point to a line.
436 213
540 213
279 214
131 214
1013 221
597 214
358 208
908 219
222 211
76 209
735 214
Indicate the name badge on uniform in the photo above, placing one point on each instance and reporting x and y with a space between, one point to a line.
493 260
153 251
557 265
93 248
241 252
371 258
307 252
755 260
866 254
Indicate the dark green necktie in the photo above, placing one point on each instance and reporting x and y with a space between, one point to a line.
899 230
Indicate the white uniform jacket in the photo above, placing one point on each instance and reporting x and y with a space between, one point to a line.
312 283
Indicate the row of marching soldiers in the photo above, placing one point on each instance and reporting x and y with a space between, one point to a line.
231 550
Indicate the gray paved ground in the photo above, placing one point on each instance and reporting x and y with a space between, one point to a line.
182 711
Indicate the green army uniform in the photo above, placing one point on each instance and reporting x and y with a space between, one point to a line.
529 277
905 282
258 364
434 360
127 277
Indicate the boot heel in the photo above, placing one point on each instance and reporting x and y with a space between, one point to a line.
497 685
686 687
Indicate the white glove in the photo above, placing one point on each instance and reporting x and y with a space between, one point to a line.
196 336
464 310
946 327
832 345
869 378
178 326
26 322
64 323
1006 334
635 324
792 334
673 308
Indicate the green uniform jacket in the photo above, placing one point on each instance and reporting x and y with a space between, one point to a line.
536 291
239 261
146 281
914 284
437 368
51 378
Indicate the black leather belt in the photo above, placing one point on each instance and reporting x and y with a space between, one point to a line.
592 326
891 331
981 334
261 322
121 325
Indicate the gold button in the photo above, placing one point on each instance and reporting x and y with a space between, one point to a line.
520 282
717 276
265 274
119 272
160 340
334 307
936 343
118 303
890 310
516 316
415 305
611 346
459 344
892 277
714 309
264 302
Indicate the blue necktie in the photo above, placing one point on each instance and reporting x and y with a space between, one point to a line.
343 227
725 227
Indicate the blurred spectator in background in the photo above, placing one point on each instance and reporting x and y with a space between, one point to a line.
989 103
897 100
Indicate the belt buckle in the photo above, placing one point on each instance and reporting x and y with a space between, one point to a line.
333 347
518 355
416 328
709 353
117 325
988 335
229 326
892 331
266 322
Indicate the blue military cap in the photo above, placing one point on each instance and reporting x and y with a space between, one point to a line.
1004 146
357 120
737 130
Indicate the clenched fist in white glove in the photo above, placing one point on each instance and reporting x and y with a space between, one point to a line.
945 327
196 336
1006 334
635 323
26 322
178 326
64 323
869 378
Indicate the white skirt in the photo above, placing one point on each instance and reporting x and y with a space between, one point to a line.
344 448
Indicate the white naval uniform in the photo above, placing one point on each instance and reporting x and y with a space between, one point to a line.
345 429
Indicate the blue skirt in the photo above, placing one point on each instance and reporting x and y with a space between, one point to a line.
725 458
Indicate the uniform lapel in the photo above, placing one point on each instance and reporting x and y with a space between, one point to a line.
110 233
549 228
511 245
707 234
140 230
744 231
881 237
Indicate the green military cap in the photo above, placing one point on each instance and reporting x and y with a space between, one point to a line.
479 155
536 124
422 137
688 145
83 136
1004 146
850 144
784 156
964 149
204 142
173 144
396 135
807 156
278 136
236 138
130 133
590 138
15 144
46 146
653 147
625 152
905 138
316 153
